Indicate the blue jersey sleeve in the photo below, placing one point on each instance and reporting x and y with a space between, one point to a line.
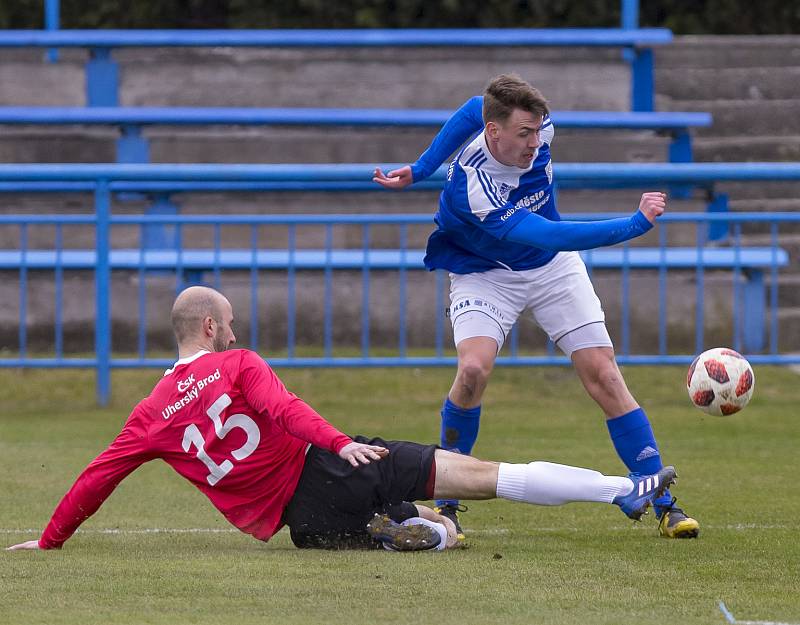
558 236
464 123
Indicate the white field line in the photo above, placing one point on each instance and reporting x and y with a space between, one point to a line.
738 622
734 621
490 531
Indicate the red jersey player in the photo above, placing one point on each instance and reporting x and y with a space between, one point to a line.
224 421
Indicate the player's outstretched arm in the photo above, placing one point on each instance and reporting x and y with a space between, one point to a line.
536 231
464 123
361 453
28 544
94 485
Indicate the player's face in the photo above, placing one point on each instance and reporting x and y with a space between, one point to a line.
516 139
224 336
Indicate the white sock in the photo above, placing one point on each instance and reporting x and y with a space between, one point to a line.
549 484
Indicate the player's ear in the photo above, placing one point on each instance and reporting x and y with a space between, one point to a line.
208 326
492 130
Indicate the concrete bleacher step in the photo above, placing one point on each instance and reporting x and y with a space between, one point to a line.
740 117
767 191
766 204
29 144
730 83
760 148
375 77
743 51
749 85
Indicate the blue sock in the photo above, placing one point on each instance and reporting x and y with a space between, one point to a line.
636 446
459 431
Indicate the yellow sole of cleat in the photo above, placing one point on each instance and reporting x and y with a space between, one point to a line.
683 529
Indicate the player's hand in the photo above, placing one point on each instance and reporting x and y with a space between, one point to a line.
396 179
653 205
30 544
361 453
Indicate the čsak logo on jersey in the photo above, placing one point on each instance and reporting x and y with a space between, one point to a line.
193 392
185 385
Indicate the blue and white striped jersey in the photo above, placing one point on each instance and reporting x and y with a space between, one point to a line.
484 199
497 216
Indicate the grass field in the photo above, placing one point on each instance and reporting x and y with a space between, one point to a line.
577 564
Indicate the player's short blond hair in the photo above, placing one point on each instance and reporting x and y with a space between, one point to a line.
507 92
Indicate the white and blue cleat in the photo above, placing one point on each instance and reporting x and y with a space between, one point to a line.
399 537
646 489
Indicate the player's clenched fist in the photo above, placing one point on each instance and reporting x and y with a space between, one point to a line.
653 205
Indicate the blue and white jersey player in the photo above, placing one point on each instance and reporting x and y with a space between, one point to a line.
507 250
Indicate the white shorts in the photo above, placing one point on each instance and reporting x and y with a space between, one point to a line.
559 295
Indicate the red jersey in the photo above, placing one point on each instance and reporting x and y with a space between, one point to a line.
226 423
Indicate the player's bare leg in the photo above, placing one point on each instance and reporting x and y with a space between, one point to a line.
597 368
459 476
462 407
476 358
545 483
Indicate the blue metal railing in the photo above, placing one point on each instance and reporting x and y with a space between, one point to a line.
168 178
753 289
359 175
133 146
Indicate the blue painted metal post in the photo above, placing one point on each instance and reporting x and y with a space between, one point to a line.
59 294
291 292
102 324
718 230
773 290
365 288
51 22
641 74
642 83
132 147
102 79
23 292
699 319
737 288
327 324
630 14
161 236
142 276
253 287
662 289
680 151
626 317
754 311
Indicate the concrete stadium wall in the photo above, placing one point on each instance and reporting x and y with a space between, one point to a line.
749 84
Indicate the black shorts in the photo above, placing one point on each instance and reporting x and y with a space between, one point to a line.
334 501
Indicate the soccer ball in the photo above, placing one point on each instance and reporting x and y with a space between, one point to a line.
720 381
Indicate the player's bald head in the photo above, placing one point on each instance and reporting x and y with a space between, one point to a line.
192 306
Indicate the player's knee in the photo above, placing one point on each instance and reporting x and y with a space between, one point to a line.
608 379
473 372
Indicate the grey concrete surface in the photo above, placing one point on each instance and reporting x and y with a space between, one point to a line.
750 84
